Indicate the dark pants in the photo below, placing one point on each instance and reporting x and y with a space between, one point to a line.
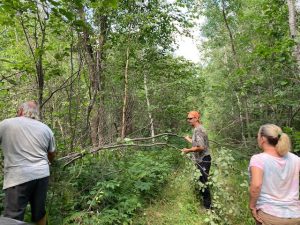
17 197
204 168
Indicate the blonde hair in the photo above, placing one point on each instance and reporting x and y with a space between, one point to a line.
276 138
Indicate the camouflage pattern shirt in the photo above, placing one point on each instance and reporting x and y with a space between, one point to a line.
200 139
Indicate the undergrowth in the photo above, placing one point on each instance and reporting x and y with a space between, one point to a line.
179 204
109 188
147 187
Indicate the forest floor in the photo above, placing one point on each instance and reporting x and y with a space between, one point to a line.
177 204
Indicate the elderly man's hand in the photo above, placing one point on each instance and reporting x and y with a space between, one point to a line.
185 150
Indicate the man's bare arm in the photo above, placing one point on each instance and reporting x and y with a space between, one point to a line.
188 139
51 156
193 149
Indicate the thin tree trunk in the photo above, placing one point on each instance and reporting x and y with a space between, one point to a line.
292 17
125 99
247 118
293 27
241 119
39 27
72 128
237 64
39 65
148 106
40 75
94 58
92 109
230 34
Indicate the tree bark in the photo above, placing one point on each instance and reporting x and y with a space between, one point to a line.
241 119
293 27
230 34
39 65
94 60
37 51
125 98
292 18
237 65
149 106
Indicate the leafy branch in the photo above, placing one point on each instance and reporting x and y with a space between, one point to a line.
72 157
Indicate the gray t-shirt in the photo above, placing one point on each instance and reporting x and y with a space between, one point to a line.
200 139
25 144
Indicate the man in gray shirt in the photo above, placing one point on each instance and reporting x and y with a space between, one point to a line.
28 147
200 153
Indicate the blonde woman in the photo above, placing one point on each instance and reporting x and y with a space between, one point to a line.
274 175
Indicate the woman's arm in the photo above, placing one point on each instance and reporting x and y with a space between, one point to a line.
255 188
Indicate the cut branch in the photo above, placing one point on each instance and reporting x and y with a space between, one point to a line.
73 157
155 136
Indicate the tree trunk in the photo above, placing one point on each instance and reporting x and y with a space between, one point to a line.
37 50
241 119
237 65
94 60
292 18
148 106
230 34
125 99
247 117
293 27
40 46
40 76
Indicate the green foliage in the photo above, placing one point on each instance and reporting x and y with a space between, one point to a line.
110 188
251 72
295 138
249 77
229 184
177 203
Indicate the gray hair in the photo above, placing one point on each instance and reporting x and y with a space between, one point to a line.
30 109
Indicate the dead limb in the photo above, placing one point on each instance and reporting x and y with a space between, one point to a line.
155 136
74 156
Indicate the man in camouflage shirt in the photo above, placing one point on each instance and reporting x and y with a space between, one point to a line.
200 153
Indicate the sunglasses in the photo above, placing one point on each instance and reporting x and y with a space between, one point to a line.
190 118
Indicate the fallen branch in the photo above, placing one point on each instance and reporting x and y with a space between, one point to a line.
127 145
155 136
74 156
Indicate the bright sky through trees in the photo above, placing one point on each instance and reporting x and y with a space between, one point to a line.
187 47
